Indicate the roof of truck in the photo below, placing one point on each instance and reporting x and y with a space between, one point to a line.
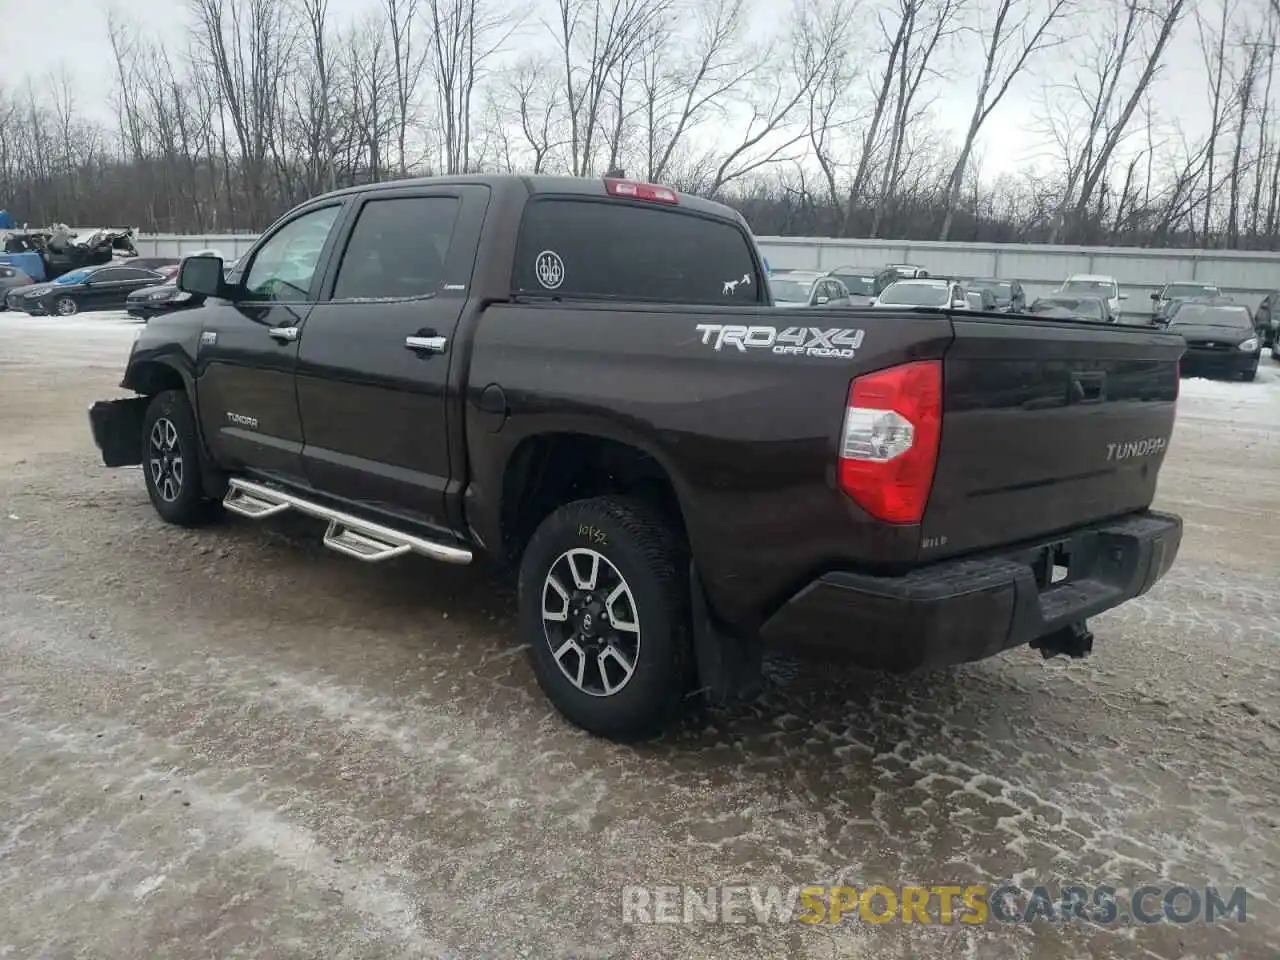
582 186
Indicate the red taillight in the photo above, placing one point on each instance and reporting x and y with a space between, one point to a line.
640 191
889 445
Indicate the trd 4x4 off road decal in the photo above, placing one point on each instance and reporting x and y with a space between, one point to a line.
793 341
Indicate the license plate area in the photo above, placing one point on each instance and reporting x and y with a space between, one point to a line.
1051 564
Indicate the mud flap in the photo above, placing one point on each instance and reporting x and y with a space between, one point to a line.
117 429
729 667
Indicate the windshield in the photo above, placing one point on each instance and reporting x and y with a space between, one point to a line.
1000 289
1233 317
858 286
1176 291
792 291
1095 288
916 294
75 276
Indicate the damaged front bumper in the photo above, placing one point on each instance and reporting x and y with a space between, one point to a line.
117 429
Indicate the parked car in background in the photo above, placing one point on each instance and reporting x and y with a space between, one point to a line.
1220 339
167 267
807 288
859 281
923 293
1171 293
1096 285
981 299
1177 305
90 288
147 302
1266 320
1062 307
893 272
1008 294
11 278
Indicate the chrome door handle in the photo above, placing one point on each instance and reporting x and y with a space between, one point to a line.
284 333
429 344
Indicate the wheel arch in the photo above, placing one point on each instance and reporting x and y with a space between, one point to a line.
547 470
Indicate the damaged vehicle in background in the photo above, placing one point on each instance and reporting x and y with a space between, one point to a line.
46 255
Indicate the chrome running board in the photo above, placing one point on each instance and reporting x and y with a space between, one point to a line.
347 534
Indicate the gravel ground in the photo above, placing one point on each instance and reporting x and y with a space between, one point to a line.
237 744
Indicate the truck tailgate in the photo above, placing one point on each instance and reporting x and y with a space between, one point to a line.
1047 426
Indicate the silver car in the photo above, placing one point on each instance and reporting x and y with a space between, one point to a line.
943 294
807 288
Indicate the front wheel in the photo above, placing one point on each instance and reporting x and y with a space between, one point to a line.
171 461
66 307
604 608
1248 376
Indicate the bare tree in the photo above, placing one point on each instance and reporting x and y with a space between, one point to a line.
818 33
1020 30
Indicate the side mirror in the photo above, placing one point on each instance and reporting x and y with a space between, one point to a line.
202 275
1155 296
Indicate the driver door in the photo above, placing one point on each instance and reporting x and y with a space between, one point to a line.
247 401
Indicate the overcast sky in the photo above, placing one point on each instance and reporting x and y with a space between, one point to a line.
40 36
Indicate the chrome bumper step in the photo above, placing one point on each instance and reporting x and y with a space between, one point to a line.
347 534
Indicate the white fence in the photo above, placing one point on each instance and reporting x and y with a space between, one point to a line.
1038 267
1247 277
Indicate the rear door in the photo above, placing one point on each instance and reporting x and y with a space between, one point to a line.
374 360
248 406
1047 425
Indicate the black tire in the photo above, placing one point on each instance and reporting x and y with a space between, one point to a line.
1248 376
176 489
65 307
648 554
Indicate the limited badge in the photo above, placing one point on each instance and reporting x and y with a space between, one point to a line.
550 269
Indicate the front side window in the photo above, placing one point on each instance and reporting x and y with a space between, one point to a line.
623 251
398 248
284 266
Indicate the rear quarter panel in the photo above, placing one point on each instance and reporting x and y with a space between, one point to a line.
747 436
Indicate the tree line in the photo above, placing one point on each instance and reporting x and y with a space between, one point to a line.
826 123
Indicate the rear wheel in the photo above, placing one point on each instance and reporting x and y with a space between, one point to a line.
605 611
66 307
171 461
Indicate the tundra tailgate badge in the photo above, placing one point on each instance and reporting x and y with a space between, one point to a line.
1136 448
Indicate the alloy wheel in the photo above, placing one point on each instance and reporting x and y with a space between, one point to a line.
591 622
165 460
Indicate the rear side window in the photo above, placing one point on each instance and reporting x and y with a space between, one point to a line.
620 251
398 248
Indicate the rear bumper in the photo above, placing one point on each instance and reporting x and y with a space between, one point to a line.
1227 361
117 429
964 610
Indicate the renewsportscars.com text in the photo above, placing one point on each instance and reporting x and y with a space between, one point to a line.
935 904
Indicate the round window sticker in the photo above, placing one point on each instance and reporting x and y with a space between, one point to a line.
550 269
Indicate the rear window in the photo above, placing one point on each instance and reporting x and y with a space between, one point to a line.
859 285
623 251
